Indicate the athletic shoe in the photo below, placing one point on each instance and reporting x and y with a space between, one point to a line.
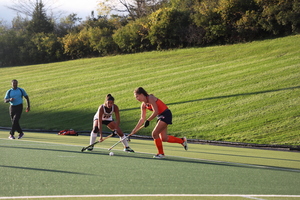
90 149
11 137
21 135
128 149
185 144
159 156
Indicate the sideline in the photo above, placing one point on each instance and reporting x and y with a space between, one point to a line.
293 148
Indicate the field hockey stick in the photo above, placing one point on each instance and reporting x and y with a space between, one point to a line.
91 145
124 138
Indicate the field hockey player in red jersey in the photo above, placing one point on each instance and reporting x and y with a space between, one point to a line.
104 116
164 118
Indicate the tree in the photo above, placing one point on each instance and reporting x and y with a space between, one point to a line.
20 24
167 28
101 40
77 45
231 12
40 23
135 9
67 25
133 37
26 7
280 17
48 46
9 43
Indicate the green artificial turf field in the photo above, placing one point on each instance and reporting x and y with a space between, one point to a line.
44 165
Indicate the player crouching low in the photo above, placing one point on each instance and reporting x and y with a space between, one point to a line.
104 116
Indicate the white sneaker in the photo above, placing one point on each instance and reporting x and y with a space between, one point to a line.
185 144
159 156
128 149
11 137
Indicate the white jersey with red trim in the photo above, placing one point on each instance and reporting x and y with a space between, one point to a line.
106 116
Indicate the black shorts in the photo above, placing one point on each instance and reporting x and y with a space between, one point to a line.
165 116
105 122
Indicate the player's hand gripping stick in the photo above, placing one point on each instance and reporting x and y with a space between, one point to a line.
124 138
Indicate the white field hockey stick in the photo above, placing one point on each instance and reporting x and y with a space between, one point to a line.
124 138
91 145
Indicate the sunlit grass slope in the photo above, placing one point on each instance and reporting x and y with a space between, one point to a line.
242 93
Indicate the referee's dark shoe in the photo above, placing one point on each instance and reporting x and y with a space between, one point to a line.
21 135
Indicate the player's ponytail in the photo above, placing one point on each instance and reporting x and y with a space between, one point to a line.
141 90
109 97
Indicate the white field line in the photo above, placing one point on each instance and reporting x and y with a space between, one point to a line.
152 195
251 197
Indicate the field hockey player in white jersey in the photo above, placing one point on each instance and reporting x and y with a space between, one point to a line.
104 116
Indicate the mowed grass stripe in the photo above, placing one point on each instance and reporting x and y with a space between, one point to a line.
250 75
245 72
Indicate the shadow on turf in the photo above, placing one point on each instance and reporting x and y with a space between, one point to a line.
45 170
42 149
39 169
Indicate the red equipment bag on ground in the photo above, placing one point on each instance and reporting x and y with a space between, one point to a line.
68 132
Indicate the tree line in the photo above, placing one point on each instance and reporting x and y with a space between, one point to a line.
148 25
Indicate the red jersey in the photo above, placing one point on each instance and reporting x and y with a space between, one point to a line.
160 105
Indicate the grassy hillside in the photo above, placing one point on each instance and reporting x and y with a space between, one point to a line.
242 93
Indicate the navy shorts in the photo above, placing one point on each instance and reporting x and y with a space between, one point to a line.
165 116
